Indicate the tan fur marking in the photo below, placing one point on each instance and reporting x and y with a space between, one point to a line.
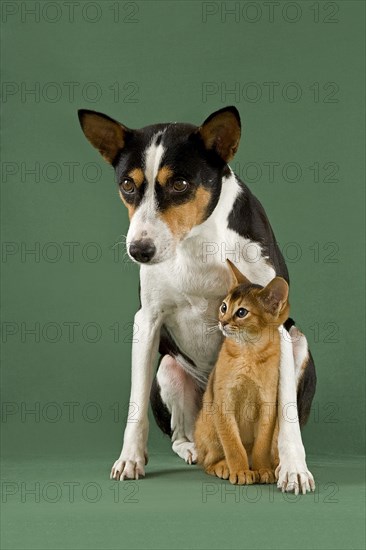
130 207
182 218
137 175
164 174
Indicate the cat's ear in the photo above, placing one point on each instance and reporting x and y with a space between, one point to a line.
221 132
237 277
104 133
274 296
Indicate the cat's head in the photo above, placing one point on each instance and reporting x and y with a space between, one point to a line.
249 308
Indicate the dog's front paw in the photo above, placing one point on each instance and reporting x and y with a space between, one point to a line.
293 476
129 466
186 450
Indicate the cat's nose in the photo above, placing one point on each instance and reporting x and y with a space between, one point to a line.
224 323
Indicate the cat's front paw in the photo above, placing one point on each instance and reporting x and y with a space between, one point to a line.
220 469
243 477
266 475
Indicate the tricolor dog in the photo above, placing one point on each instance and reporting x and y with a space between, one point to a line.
188 213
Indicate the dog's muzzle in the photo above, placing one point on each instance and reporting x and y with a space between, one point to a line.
142 251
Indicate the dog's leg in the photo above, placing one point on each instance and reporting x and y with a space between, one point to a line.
133 457
300 351
293 474
182 398
305 374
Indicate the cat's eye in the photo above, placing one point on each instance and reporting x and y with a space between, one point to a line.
128 186
242 312
223 307
180 185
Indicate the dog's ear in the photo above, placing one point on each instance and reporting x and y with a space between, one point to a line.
274 296
221 132
237 277
104 133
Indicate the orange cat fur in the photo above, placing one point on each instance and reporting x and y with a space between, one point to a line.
237 425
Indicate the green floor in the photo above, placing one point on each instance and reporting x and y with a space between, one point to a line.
175 506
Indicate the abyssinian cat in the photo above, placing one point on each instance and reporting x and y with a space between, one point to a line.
237 425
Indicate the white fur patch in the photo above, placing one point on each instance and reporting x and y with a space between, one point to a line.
153 155
145 223
300 350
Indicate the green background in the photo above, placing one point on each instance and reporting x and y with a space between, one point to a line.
146 62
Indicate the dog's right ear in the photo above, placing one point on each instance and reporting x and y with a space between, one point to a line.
221 132
104 133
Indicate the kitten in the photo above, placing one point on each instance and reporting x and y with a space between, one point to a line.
239 414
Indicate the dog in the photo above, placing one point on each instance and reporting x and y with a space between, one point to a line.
188 213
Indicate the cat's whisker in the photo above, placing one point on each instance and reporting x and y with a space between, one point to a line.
211 330
211 326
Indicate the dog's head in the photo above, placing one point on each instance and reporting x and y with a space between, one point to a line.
169 175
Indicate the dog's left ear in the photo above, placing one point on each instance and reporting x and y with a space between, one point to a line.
274 296
221 132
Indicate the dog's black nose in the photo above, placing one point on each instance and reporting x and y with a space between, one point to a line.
143 250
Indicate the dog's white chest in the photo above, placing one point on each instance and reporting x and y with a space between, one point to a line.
185 291
188 291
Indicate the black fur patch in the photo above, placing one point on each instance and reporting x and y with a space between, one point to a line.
249 220
288 324
306 391
160 411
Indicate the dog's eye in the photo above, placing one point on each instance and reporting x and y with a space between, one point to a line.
223 307
242 312
127 185
179 186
